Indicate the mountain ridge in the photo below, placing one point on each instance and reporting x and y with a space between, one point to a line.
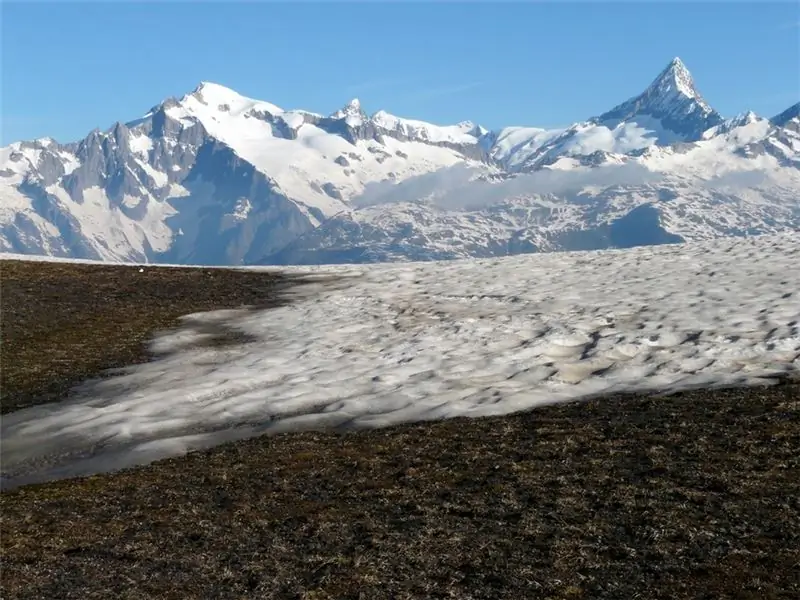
673 98
219 178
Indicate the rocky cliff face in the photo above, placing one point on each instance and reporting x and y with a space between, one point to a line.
671 99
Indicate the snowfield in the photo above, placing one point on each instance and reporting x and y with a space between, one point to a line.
376 345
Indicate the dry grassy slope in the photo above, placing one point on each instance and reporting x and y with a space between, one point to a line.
63 323
691 496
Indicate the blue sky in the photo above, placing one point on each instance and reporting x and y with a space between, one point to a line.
70 67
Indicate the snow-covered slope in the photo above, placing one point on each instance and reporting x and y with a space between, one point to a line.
215 177
673 101
669 111
372 346
211 178
620 216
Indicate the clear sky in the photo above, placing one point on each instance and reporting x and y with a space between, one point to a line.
70 67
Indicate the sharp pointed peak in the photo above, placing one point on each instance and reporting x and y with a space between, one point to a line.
673 99
675 65
351 109
741 120
747 116
675 77
480 131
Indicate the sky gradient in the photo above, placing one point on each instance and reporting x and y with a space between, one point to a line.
70 67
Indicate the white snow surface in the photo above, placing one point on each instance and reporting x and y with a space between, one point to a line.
420 130
383 344
294 164
516 144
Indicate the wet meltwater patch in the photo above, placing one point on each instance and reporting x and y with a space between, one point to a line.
383 344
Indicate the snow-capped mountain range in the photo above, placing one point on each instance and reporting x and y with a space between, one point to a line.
218 178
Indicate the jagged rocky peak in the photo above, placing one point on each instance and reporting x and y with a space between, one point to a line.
750 117
352 123
673 85
120 133
728 125
791 113
91 141
458 136
671 98
46 142
745 118
158 109
479 131
170 102
674 79
471 128
350 110
353 106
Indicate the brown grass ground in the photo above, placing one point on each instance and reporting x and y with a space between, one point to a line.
691 496
64 323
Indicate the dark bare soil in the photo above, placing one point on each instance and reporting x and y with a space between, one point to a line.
691 496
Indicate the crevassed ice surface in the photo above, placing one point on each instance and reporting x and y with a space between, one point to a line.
383 344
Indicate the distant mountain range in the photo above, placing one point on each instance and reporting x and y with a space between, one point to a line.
218 178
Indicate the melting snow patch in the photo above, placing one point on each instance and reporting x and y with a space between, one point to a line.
141 144
389 343
159 178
